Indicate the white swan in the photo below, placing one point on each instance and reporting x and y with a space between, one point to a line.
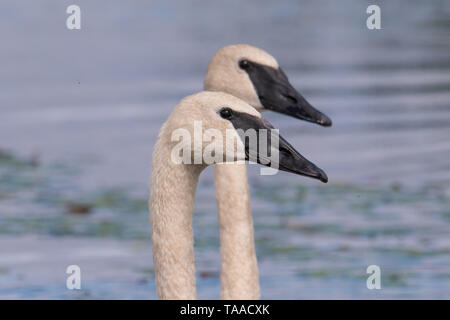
254 76
173 185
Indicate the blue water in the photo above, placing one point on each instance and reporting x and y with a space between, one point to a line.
80 111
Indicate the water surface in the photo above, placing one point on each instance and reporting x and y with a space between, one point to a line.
80 112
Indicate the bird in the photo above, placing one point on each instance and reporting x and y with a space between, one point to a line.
253 75
173 183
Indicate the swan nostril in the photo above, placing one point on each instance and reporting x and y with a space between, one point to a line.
283 150
292 99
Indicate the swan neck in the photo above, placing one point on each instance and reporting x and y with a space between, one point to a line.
172 194
239 274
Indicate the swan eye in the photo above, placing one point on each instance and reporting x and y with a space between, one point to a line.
226 113
243 64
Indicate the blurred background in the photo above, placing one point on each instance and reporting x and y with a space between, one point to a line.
80 112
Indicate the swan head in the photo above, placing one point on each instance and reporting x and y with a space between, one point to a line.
254 76
215 127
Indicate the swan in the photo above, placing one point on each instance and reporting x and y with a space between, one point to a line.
253 75
173 184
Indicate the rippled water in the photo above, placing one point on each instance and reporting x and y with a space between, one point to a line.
80 111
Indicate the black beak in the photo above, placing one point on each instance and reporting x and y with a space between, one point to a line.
285 158
277 94
292 161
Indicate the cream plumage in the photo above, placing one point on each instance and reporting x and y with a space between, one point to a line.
173 184
239 268
253 75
